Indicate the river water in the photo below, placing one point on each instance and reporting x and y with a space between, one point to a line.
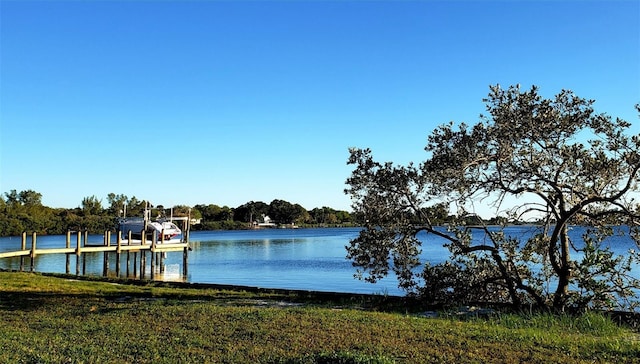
304 259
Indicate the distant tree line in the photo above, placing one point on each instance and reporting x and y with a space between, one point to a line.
23 211
279 211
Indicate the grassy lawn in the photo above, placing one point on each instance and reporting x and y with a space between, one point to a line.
56 320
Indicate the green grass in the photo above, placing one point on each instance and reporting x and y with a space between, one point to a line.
56 320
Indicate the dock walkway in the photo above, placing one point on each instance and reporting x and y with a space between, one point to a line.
127 246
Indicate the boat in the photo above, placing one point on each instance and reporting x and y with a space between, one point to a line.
163 229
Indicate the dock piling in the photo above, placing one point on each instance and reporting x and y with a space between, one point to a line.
33 251
23 247
78 252
67 267
118 250
158 253
107 243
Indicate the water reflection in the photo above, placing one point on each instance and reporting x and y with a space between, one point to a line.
306 259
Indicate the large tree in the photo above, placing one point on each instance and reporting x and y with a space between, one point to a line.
284 212
553 160
117 203
251 211
92 206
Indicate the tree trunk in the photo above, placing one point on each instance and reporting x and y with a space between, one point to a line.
564 273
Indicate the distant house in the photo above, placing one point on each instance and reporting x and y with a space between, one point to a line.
266 222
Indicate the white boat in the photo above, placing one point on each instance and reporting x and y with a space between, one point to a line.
162 228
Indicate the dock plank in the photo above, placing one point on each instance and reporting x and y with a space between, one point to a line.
17 253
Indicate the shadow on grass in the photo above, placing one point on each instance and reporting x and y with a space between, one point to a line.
45 293
230 295
337 358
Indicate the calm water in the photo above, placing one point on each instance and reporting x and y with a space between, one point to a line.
307 259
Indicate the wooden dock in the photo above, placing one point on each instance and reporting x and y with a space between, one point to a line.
129 247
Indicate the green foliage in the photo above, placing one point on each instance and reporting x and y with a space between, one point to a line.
328 216
279 211
553 161
221 225
213 212
23 211
91 206
251 211
287 213
589 323
117 204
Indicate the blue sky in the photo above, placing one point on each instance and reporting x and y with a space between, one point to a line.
226 102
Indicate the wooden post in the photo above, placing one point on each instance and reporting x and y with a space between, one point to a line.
185 253
154 240
84 257
143 241
187 224
23 247
135 264
159 255
119 242
33 251
68 258
129 256
185 256
78 253
128 262
143 263
105 261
